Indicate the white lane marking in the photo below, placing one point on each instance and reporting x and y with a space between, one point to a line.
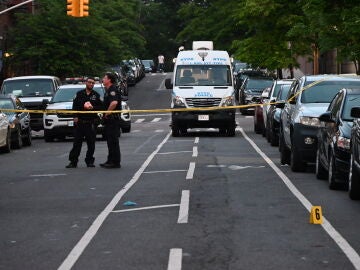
195 151
79 248
159 130
48 175
196 140
175 259
135 131
352 255
153 114
146 208
140 120
236 167
157 119
150 172
171 153
249 116
184 207
190 173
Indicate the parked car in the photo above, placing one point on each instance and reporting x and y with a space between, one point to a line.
32 90
19 121
149 66
5 134
130 73
250 91
270 98
354 174
122 78
308 98
333 148
273 118
60 125
259 126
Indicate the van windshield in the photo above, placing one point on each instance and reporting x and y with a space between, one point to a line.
206 75
29 88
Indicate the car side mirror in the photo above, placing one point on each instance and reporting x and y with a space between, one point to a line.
355 112
168 84
326 117
44 103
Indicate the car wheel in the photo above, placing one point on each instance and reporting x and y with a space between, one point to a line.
354 181
332 174
268 133
28 139
296 163
257 128
48 137
320 171
274 138
284 152
230 131
17 143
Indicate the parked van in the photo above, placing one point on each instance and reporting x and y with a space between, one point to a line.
202 79
32 91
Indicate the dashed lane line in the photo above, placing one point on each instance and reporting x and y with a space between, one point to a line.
175 259
190 173
184 207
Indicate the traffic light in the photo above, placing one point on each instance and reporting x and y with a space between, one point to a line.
73 8
84 8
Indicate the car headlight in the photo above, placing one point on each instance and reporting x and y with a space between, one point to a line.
179 101
227 101
343 142
310 121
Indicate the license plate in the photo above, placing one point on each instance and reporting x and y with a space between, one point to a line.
203 117
70 123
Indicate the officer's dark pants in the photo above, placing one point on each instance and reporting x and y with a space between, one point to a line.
87 131
112 134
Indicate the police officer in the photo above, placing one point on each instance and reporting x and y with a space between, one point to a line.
112 101
85 123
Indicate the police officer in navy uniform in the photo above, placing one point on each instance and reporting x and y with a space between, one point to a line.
85 123
112 102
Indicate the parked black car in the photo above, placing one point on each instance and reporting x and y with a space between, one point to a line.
354 174
19 121
251 89
333 151
273 118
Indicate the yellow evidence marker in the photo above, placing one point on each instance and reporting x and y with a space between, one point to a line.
316 215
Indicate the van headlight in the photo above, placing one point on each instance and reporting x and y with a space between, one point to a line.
310 121
227 101
179 102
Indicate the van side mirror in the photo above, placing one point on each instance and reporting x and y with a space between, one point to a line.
44 103
168 84
355 112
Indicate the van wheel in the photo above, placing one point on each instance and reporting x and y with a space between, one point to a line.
175 130
354 181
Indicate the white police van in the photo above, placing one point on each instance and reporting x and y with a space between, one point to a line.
203 84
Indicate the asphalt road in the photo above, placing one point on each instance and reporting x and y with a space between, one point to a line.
197 202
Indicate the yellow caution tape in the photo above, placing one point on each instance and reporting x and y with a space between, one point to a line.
162 110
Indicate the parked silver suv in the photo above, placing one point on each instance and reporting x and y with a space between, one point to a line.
308 98
60 125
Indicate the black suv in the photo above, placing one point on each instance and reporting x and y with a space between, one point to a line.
354 175
333 151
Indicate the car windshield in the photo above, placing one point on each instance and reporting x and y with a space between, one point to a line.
325 91
259 83
351 101
68 94
28 88
207 75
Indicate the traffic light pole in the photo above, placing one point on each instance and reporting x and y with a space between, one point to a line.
18 5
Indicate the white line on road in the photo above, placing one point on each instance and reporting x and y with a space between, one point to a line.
79 248
196 141
195 151
48 175
175 259
146 208
139 120
157 119
184 207
165 171
171 153
335 235
190 173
